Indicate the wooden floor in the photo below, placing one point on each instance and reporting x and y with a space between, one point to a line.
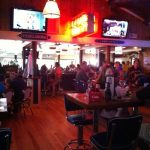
47 129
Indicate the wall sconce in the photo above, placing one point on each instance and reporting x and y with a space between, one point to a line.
51 9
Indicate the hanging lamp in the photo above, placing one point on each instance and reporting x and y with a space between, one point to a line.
51 9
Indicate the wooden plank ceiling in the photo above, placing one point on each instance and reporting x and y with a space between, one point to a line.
137 8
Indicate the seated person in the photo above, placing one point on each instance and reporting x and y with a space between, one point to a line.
43 73
144 137
101 78
121 89
134 73
143 93
2 86
17 85
8 84
82 77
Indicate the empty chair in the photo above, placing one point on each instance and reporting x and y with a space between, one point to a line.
26 102
78 119
144 137
5 138
122 134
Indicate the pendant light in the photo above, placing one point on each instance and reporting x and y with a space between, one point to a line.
51 9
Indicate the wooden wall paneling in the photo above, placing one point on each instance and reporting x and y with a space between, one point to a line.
146 55
135 25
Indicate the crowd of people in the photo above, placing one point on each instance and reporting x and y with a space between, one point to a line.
126 77
13 82
50 79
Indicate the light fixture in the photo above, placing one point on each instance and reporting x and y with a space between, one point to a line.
51 9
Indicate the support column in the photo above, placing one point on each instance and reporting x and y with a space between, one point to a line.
141 57
58 58
113 57
108 54
35 73
81 56
101 58
23 58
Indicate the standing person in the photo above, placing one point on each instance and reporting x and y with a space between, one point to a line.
57 78
43 73
78 68
118 72
125 67
58 71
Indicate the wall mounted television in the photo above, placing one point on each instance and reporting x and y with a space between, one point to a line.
27 20
114 28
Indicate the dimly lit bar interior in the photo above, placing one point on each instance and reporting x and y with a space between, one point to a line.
75 75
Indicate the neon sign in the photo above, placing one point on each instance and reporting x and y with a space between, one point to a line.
83 25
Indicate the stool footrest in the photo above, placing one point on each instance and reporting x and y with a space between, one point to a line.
74 145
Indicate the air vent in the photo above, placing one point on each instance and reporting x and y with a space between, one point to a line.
52 48
64 50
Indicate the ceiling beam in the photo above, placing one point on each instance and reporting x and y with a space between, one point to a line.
132 13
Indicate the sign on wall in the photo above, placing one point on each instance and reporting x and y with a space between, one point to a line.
33 36
82 25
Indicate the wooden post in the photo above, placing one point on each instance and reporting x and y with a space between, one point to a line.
101 58
35 73
108 54
81 56
58 58
23 57
141 57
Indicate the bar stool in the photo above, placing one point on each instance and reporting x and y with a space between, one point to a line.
5 138
79 120
122 134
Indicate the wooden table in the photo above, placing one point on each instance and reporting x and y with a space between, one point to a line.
82 100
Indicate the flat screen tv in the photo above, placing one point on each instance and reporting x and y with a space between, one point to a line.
114 28
28 20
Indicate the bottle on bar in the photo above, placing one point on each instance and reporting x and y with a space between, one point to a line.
108 92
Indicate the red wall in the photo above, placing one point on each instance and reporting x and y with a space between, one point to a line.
71 8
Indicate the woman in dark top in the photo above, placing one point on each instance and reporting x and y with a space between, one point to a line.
82 77
101 78
18 85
